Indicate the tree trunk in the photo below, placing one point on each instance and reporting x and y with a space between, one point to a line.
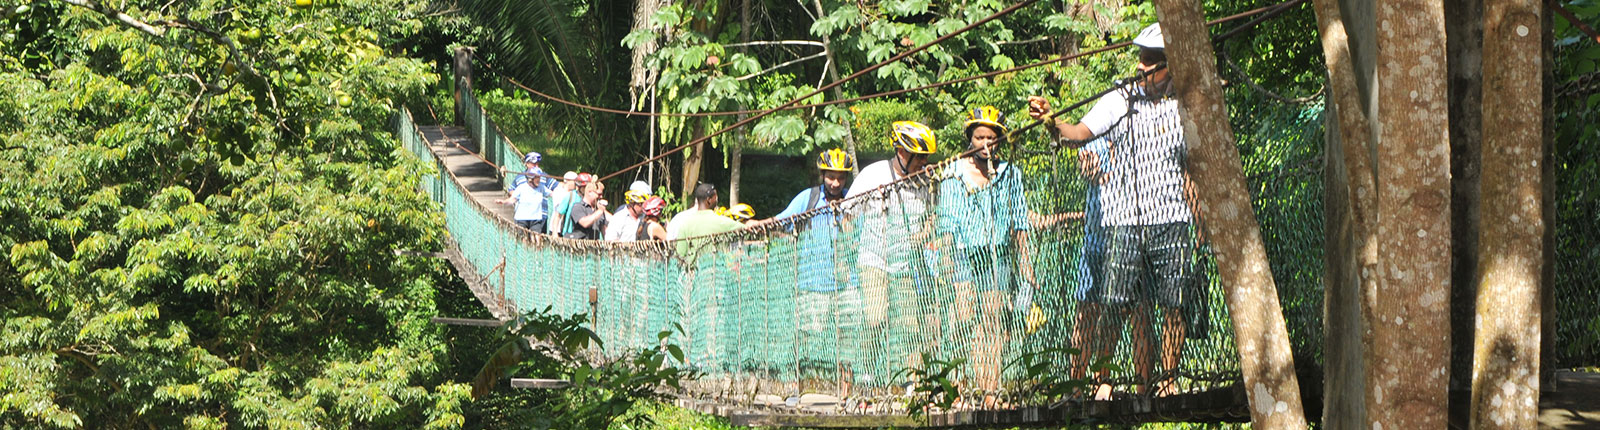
735 155
1229 221
1505 359
1408 315
692 159
1350 217
833 70
736 151
463 79
1547 287
641 77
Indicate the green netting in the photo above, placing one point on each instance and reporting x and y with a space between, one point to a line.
1577 228
494 146
815 303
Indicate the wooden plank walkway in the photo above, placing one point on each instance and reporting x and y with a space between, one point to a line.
1225 404
1575 403
455 148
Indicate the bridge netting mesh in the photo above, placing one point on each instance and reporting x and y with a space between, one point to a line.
840 300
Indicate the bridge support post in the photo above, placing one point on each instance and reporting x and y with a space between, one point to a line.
1228 221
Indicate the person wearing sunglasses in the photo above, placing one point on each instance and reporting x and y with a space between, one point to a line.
1147 212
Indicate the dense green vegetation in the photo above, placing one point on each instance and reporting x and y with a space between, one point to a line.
202 205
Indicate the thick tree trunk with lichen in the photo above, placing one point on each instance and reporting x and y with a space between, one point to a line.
1408 315
692 159
1349 203
1505 365
1229 221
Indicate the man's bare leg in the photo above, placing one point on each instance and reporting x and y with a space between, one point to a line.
1094 337
1144 349
1173 331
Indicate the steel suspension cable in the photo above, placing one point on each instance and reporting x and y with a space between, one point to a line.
831 85
1272 11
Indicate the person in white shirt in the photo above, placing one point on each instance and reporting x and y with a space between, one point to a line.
893 225
529 199
623 224
1146 208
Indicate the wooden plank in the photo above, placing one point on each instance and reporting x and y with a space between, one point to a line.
542 384
1217 405
474 322
825 421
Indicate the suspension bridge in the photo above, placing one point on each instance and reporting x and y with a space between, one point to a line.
747 314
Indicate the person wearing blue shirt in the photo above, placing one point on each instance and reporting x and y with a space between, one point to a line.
530 198
828 304
1094 161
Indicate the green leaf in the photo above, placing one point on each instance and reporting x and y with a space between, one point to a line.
640 37
1000 62
677 353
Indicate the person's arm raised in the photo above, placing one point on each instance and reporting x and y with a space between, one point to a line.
1039 108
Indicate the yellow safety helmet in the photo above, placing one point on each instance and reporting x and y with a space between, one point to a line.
634 196
741 212
836 160
1036 318
986 115
913 136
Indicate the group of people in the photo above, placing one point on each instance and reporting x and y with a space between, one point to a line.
573 208
1139 245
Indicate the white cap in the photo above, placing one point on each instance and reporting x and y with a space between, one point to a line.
1151 37
570 176
639 186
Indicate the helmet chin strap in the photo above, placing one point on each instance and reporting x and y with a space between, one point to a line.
979 158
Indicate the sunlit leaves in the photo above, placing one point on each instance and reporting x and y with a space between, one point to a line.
779 128
188 234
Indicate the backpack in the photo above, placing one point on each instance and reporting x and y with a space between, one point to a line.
811 203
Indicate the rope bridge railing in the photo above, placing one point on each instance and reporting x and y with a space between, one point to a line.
841 303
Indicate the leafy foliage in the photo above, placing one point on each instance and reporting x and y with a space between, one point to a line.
206 202
1577 225
700 73
603 390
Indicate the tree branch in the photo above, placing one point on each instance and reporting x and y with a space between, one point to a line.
781 65
774 42
246 61
1023 42
118 15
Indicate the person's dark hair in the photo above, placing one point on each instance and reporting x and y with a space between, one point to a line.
1152 56
704 191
